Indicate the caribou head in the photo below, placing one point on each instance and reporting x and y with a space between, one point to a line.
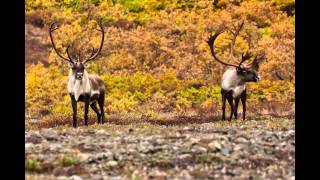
249 72
77 64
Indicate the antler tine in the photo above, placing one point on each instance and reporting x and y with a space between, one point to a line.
244 57
52 25
68 52
92 51
211 45
249 40
95 54
51 29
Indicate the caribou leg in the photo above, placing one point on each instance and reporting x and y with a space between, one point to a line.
86 110
230 101
243 101
223 105
236 108
101 106
95 109
74 109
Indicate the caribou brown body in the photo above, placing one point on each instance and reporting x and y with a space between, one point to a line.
235 79
83 87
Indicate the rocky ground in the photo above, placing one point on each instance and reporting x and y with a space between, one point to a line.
262 148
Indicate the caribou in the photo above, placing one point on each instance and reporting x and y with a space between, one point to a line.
83 87
235 79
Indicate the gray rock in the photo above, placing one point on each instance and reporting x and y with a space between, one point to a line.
75 177
226 150
50 134
214 146
112 163
62 178
185 156
101 131
115 178
28 146
97 177
34 138
238 147
241 140
199 149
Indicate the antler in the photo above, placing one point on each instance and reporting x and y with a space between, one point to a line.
95 54
211 45
244 57
235 34
278 75
51 29
256 61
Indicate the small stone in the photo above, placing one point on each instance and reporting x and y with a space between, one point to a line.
62 178
75 177
199 149
84 156
115 178
28 145
185 156
112 163
175 148
49 134
194 140
101 131
97 177
186 128
156 174
291 132
185 175
239 147
178 134
226 150
34 138
232 132
214 145
242 140
224 170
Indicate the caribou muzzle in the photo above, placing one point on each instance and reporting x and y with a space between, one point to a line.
257 78
79 75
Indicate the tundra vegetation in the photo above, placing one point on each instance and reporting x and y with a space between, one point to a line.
158 69
155 58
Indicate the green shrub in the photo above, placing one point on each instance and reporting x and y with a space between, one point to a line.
32 165
267 31
67 160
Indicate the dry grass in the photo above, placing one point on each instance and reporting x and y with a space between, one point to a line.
267 110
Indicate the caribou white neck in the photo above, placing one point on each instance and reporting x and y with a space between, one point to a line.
78 87
231 81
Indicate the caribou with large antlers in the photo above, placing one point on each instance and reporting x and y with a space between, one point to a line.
82 86
234 80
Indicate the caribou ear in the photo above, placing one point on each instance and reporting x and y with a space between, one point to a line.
257 60
255 66
70 64
239 70
87 64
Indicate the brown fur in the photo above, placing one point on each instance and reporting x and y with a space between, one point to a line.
96 83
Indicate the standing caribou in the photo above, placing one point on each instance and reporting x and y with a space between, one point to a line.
82 86
234 80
